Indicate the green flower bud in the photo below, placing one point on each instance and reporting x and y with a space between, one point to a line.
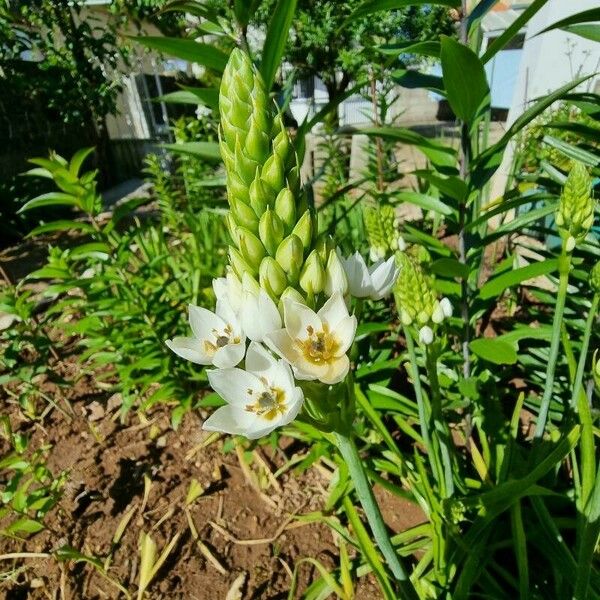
251 248
292 294
595 278
260 196
596 369
232 228
271 232
289 255
245 167
304 229
312 277
272 173
272 277
285 207
243 214
257 143
324 245
575 214
414 293
240 266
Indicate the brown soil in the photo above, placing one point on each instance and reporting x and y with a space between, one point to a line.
249 529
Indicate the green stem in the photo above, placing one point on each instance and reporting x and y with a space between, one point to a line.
564 266
439 428
349 453
585 344
424 413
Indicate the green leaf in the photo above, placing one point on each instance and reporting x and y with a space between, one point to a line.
276 39
244 10
494 287
425 202
373 6
487 162
190 95
205 150
492 350
512 30
454 187
61 225
50 199
78 159
589 31
450 267
586 16
96 249
190 50
425 48
24 525
412 79
573 152
465 81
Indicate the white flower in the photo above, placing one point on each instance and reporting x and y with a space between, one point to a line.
426 335
217 337
315 344
229 288
258 314
376 253
447 308
373 282
259 399
335 276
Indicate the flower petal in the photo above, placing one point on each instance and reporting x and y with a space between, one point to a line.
293 407
359 280
308 371
258 359
298 318
282 344
344 332
333 311
229 355
229 420
259 315
226 312
189 348
338 369
233 385
203 322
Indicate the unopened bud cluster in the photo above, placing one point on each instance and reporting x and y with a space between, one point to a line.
273 230
382 227
575 214
416 299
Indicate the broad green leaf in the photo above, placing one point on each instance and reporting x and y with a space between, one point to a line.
494 287
482 8
465 81
454 187
207 96
98 250
205 150
581 130
494 350
50 199
190 50
276 39
587 16
512 30
412 79
589 31
450 267
24 525
78 159
425 202
61 226
373 6
244 10
179 97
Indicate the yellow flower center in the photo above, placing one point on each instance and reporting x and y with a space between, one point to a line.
269 403
222 338
320 346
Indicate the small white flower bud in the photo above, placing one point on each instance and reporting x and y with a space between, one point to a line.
426 335
447 307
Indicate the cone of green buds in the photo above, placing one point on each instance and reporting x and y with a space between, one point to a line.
273 231
595 278
417 301
575 213
382 225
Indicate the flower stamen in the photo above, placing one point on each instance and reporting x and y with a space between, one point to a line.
320 346
269 403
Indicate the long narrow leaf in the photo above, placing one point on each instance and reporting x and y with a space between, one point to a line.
276 39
